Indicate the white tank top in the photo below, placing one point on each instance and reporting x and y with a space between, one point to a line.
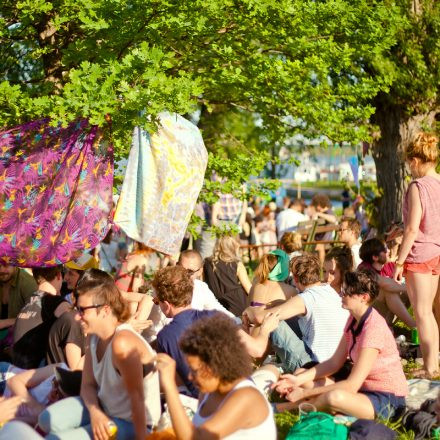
265 430
112 394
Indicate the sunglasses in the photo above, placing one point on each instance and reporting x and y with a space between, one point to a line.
81 310
190 271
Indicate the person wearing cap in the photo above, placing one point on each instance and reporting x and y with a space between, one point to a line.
74 270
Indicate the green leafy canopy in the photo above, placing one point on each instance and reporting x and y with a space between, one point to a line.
262 70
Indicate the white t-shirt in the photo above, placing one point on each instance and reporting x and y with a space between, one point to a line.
288 220
204 299
355 252
323 324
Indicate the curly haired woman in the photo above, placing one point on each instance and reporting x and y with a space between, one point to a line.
220 368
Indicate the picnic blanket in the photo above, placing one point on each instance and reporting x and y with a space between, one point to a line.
420 390
55 192
163 178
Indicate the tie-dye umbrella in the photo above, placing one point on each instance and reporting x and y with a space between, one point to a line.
55 192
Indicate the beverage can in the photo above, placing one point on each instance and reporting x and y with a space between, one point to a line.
113 430
415 336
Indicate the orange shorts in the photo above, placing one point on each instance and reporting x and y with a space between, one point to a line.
430 266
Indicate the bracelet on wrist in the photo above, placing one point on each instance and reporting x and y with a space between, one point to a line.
399 264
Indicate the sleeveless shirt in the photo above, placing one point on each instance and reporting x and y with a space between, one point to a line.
265 430
112 393
427 243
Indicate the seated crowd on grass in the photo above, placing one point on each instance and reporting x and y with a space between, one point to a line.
85 353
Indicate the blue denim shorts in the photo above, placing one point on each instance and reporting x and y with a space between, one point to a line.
385 404
4 368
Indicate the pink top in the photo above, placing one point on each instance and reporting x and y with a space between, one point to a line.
386 375
427 243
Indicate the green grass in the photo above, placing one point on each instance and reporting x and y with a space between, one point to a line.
286 420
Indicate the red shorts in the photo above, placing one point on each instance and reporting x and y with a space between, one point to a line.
431 266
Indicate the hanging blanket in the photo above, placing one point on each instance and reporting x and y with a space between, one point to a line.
162 181
55 192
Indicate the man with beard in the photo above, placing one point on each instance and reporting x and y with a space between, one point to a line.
374 255
16 287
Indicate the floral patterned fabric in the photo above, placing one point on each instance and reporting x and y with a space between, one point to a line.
55 192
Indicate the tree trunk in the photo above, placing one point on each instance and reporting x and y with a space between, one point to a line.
396 132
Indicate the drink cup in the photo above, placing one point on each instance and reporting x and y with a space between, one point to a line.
305 408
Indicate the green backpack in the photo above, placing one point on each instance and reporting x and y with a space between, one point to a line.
317 426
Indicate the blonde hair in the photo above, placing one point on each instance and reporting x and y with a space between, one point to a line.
267 263
291 242
227 249
424 147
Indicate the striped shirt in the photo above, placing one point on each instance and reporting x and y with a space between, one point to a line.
323 324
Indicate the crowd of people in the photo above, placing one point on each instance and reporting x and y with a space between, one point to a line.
128 341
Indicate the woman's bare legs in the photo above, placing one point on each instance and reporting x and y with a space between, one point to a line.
341 401
437 306
422 289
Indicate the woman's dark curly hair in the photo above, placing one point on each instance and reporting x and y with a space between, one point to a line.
215 340
361 281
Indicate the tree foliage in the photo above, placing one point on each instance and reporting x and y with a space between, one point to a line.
412 102
296 66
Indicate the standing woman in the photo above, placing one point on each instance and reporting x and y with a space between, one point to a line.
226 275
419 255
118 384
